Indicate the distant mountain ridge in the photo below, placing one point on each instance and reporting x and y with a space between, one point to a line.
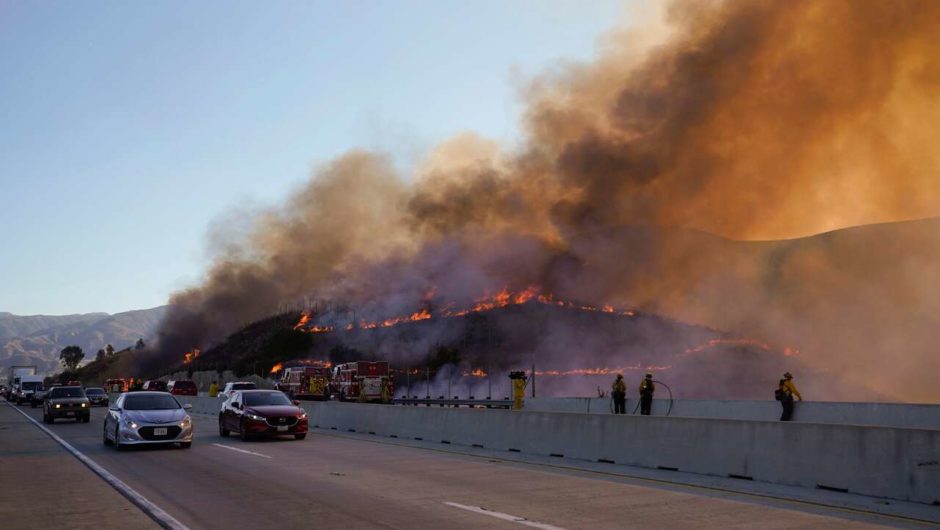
37 339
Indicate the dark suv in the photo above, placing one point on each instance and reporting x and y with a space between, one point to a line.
182 387
97 396
66 402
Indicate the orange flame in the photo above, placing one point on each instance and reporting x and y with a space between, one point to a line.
276 368
503 298
302 323
190 356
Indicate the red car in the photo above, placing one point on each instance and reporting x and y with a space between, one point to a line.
182 387
253 413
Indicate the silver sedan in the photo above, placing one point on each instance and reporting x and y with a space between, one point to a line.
137 418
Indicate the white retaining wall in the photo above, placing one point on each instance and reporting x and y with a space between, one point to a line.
883 414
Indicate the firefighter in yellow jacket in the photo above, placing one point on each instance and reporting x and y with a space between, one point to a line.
788 382
619 393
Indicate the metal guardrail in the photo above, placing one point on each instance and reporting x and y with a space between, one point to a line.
455 402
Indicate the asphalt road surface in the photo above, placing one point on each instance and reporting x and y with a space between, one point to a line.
332 481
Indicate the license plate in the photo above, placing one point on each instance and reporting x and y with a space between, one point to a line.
70 413
159 431
281 428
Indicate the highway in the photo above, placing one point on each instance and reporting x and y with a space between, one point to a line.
330 480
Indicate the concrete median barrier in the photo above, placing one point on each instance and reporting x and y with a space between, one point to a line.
897 463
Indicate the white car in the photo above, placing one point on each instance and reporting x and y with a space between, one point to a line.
148 418
230 388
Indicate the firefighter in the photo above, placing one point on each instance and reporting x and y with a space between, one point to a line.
387 391
788 378
647 388
619 393
214 389
785 397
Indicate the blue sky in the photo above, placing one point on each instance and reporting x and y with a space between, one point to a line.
127 128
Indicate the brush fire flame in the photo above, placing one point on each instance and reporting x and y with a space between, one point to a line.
190 356
300 362
503 298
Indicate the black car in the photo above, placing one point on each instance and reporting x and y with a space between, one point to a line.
97 396
66 402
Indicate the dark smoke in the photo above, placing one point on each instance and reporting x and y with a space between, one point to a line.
751 120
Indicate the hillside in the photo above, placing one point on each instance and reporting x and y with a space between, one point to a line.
861 303
39 345
574 351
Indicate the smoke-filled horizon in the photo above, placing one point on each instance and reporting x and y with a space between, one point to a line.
749 120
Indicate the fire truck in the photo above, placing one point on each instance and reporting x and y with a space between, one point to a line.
115 386
305 382
362 381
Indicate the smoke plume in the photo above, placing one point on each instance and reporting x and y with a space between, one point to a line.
657 177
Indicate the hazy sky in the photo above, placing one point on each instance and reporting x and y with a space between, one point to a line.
128 128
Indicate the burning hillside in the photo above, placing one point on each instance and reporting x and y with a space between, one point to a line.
574 348
748 119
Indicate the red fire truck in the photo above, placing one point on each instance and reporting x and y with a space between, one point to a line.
362 381
305 382
115 386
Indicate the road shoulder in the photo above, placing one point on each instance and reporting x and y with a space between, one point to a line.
45 487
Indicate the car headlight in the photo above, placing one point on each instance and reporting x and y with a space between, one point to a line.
130 423
255 417
187 421
303 414
84 405
58 406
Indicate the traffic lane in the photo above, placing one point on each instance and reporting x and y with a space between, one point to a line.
209 486
423 477
332 480
43 486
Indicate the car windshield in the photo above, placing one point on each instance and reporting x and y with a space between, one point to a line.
184 384
66 392
150 402
244 386
266 398
32 385
94 391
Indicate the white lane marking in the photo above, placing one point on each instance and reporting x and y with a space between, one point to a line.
504 516
241 450
156 513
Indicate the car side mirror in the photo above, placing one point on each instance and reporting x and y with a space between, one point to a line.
296 403
114 408
187 407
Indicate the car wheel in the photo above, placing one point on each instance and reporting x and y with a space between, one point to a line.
185 445
243 430
45 416
300 436
104 435
117 439
32 404
223 432
86 418
51 418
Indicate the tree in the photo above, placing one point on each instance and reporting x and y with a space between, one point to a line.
100 355
109 350
70 356
140 344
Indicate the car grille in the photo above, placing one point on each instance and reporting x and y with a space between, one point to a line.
172 431
280 421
